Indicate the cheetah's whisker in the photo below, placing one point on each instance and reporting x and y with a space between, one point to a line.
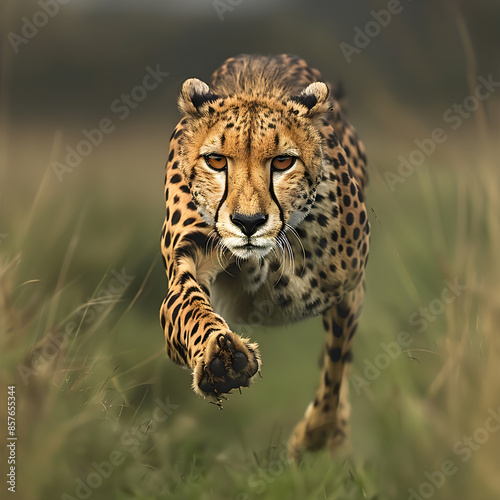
297 237
279 258
290 253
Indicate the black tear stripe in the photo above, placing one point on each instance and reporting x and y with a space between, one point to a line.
222 200
275 199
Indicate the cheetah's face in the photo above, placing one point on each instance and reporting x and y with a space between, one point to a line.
252 163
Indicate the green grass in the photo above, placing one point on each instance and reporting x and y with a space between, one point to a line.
96 397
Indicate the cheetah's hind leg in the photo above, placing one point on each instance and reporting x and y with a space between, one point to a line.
326 420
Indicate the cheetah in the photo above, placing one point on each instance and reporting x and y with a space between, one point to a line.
264 187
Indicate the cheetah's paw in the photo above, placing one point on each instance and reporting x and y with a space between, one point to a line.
229 362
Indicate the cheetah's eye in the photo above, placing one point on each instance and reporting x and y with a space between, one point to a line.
217 162
283 162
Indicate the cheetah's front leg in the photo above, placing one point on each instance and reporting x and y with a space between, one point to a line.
195 335
327 417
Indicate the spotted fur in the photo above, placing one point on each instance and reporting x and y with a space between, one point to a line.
250 238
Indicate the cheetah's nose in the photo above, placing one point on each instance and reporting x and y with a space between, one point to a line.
248 223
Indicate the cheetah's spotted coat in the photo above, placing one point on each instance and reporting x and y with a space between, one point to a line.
264 192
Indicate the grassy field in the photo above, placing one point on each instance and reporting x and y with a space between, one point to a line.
82 344
101 413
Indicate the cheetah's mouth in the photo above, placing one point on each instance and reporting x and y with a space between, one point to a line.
250 249
246 247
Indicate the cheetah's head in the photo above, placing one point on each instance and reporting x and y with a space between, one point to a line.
252 161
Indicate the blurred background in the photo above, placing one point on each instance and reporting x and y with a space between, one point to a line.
87 103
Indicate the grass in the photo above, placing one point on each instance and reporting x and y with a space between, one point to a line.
107 393
101 412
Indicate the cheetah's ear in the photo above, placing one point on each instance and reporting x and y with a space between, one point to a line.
194 94
314 98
